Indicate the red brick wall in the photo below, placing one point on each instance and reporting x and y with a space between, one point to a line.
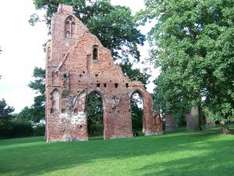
72 71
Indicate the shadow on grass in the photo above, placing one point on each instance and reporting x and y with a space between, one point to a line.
37 157
217 161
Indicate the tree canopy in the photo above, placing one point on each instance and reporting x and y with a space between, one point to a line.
5 110
38 107
113 25
194 48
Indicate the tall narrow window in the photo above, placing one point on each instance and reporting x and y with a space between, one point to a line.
116 85
69 26
48 53
55 101
95 52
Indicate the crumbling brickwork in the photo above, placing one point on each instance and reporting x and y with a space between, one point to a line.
78 64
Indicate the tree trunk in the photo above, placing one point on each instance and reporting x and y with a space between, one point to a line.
193 119
225 128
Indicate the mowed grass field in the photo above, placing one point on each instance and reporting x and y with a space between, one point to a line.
177 154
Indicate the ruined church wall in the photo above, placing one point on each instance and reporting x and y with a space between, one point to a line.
72 73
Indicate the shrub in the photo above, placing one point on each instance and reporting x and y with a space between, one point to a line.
5 128
39 130
22 129
12 129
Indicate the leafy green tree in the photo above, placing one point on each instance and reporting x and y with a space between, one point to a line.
113 25
5 110
26 114
38 84
134 74
195 51
166 101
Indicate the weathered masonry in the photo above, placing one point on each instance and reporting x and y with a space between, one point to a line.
77 65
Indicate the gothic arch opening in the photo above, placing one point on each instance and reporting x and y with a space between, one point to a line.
69 27
55 97
94 112
137 112
95 52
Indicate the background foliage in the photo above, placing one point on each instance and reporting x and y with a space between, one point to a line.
194 47
113 25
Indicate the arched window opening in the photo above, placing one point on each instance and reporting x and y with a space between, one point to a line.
55 101
49 53
95 52
94 111
69 26
137 113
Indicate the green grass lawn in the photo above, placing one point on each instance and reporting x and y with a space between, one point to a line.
175 154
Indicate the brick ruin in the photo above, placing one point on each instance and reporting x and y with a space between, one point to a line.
78 64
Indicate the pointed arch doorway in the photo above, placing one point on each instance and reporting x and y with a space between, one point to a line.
137 113
94 113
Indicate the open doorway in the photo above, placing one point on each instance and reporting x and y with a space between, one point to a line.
94 111
137 113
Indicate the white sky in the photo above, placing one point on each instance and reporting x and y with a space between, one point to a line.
22 49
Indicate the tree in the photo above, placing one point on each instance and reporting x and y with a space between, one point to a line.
5 110
26 114
165 101
195 52
113 25
134 74
38 84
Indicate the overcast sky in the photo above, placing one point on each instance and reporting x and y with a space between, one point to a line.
22 49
